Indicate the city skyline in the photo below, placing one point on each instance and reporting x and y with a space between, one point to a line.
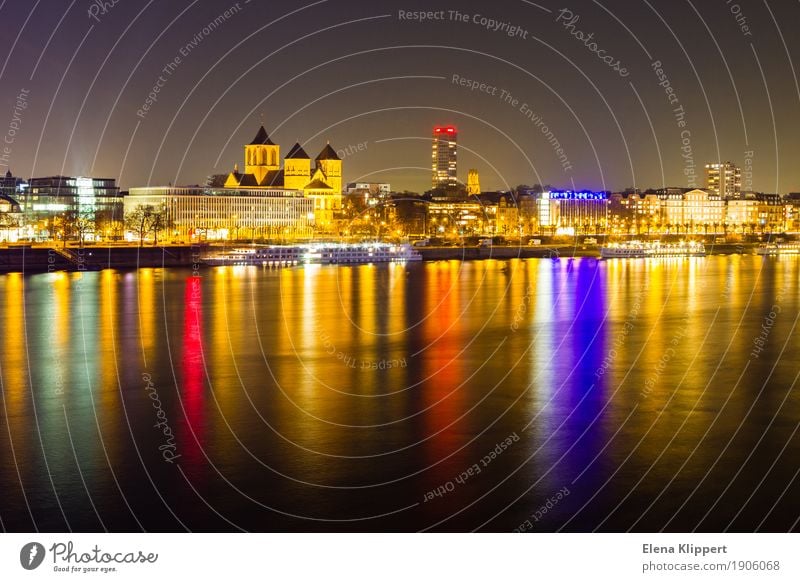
741 185
159 115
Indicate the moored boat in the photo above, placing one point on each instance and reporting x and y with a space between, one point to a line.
273 256
328 254
319 254
778 249
640 249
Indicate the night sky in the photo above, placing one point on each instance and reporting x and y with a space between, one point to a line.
357 73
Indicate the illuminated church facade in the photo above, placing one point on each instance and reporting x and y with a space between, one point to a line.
322 183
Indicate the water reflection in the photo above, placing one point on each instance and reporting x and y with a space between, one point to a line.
338 394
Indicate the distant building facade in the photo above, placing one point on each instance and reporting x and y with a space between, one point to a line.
444 157
724 179
373 189
11 186
96 201
456 217
572 212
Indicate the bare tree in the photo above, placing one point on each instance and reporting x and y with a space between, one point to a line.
84 224
138 221
75 224
160 220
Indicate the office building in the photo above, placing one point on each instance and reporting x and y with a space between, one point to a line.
93 205
444 157
200 214
724 180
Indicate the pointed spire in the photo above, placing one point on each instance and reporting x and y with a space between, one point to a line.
328 153
261 138
297 153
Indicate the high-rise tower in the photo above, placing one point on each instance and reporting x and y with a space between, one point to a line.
443 157
724 179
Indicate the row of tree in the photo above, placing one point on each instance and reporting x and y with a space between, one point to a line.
76 224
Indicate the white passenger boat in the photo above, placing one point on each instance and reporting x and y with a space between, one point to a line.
639 249
778 249
328 254
319 254
272 256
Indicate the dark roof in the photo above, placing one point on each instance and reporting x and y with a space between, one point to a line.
274 179
248 180
297 153
317 185
327 153
261 138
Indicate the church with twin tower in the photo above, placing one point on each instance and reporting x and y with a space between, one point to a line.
262 170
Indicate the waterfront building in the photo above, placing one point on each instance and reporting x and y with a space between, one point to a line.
501 213
791 214
10 218
572 212
507 221
456 217
724 179
444 157
322 183
633 212
195 213
671 201
60 205
648 209
702 211
680 211
756 212
527 208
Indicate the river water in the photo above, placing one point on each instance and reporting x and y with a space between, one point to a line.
534 395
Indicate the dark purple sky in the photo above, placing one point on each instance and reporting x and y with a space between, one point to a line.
357 73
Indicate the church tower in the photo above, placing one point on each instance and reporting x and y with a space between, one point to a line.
261 156
331 166
296 168
473 183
